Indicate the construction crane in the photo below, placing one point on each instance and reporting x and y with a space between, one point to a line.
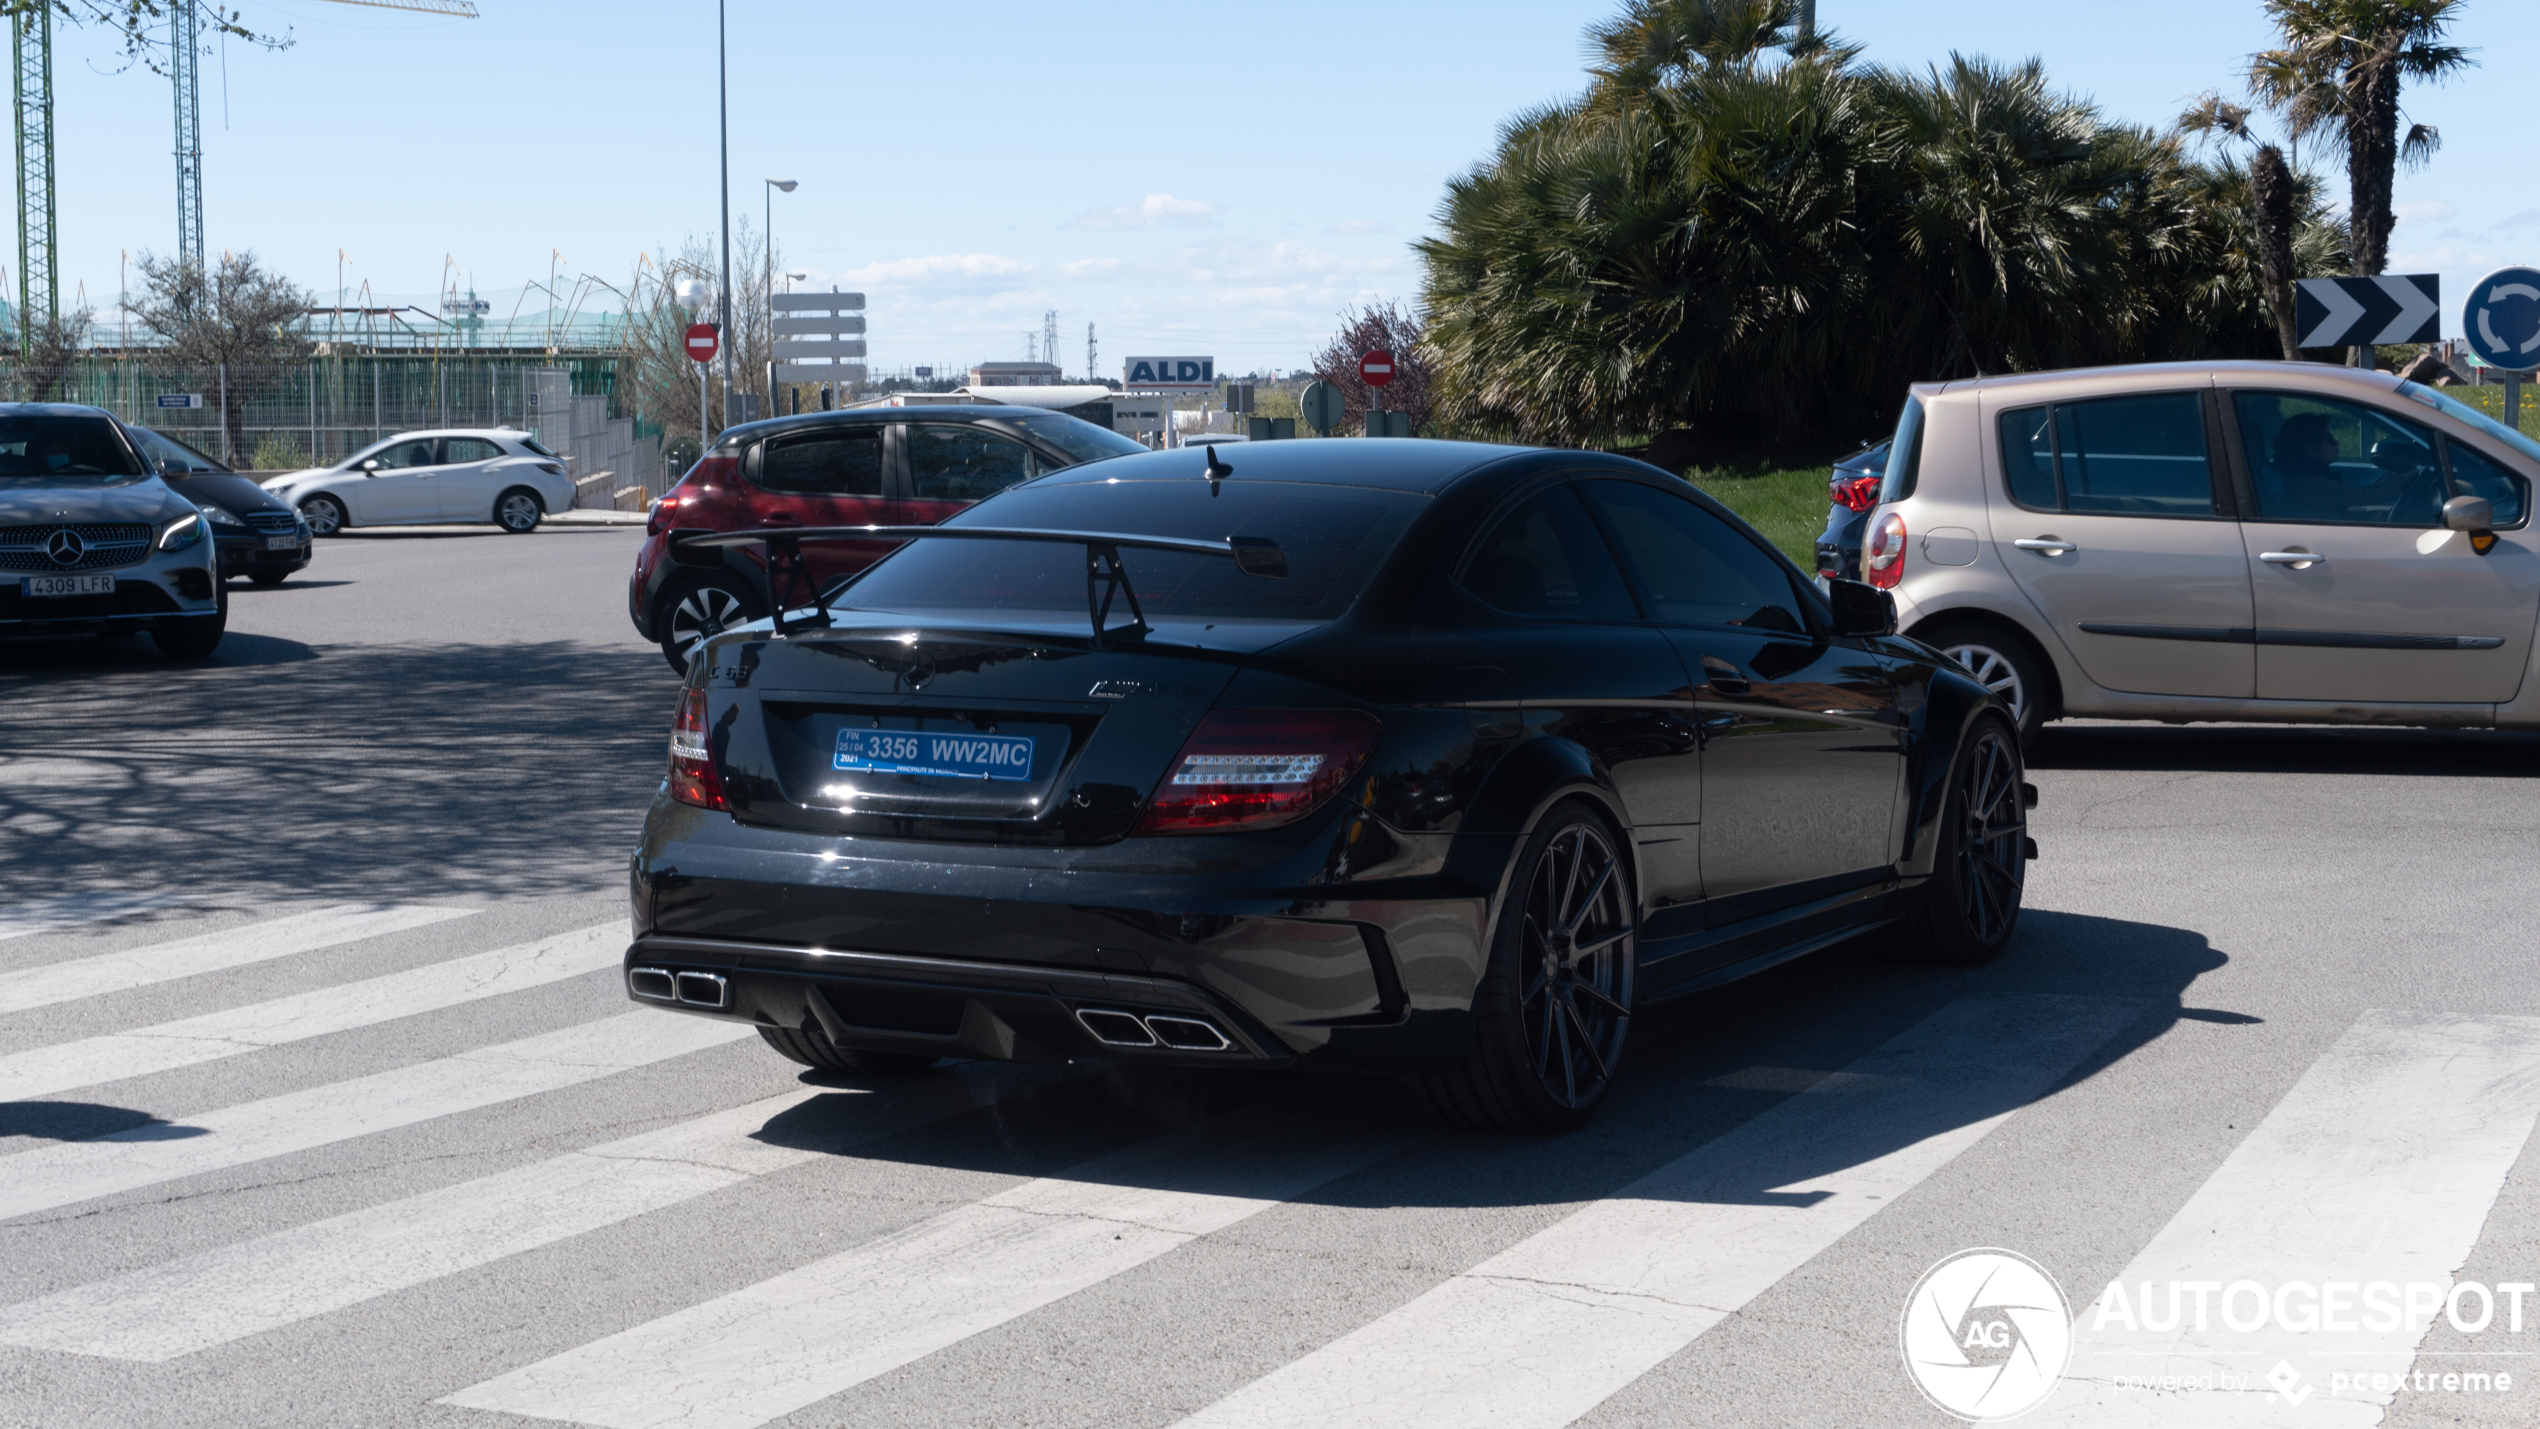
184 29
31 55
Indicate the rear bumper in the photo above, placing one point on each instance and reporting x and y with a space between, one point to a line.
998 953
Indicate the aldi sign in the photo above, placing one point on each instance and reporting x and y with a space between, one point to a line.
1170 374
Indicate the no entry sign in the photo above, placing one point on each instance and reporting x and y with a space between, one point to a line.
703 342
1376 368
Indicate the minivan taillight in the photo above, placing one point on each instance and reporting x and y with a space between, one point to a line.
693 777
1258 769
1883 555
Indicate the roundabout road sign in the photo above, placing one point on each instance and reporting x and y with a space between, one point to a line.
2502 319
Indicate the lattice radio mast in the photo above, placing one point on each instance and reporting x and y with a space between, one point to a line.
31 36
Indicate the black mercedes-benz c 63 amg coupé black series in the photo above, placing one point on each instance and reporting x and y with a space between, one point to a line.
1420 756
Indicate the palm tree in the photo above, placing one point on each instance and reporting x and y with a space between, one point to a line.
2270 207
2340 68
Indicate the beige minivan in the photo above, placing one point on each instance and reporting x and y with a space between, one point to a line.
2265 541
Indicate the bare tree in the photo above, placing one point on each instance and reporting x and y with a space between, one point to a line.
657 380
141 26
240 316
52 345
1390 328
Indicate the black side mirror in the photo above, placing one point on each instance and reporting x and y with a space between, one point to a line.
1861 610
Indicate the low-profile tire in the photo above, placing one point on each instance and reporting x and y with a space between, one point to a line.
268 578
194 636
812 1047
698 608
1999 661
1555 999
325 515
518 511
1965 913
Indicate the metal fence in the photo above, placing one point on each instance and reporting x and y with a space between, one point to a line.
318 412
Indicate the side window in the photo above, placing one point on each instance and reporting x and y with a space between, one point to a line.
843 463
1904 453
2316 459
2117 456
1698 569
2475 475
460 449
404 455
964 463
1546 558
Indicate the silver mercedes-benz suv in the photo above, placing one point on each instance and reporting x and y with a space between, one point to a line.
92 541
2270 541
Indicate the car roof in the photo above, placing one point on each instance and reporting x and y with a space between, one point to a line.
1421 465
867 416
2204 371
54 409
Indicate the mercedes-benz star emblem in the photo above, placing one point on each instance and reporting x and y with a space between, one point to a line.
66 548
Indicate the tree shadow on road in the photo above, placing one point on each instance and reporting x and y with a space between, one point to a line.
272 769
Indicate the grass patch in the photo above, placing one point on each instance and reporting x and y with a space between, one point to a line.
2491 400
1787 504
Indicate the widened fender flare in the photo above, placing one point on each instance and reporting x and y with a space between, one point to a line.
1956 702
1520 789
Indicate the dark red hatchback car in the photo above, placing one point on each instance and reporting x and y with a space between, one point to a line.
885 466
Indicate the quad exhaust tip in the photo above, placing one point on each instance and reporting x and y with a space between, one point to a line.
1114 1028
688 989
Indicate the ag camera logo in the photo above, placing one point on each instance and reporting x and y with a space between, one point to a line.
1986 1334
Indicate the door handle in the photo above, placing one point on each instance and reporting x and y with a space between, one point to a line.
1723 677
781 518
2297 558
2047 545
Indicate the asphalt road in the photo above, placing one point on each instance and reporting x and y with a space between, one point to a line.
363 1131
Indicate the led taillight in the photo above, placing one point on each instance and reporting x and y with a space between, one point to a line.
1258 769
693 777
1883 555
1854 493
663 509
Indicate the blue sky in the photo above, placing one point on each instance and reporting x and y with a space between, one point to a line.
1203 179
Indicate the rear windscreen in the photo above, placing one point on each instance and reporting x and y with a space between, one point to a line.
1334 536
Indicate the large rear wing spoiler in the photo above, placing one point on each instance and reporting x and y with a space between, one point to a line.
1105 576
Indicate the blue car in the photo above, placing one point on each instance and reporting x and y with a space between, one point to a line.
1854 490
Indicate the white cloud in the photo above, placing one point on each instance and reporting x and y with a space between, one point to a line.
1153 211
2422 211
1358 225
937 268
2528 218
1090 267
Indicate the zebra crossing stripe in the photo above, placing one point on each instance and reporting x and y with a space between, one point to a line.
2380 1165
1543 1332
794 1340
43 1071
211 952
74 1171
69 910
228 1294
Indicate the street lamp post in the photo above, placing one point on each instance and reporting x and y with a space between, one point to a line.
767 242
723 133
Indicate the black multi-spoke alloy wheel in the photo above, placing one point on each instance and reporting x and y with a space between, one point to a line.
1555 1001
700 608
812 1047
1968 910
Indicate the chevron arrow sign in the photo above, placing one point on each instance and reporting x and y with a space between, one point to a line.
2358 312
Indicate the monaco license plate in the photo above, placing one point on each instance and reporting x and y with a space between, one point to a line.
951 756
282 543
67 585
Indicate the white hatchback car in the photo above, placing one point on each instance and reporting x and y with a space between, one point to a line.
2262 541
433 478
